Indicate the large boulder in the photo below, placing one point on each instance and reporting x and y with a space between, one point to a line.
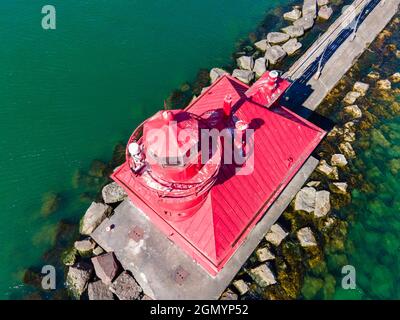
277 37
95 215
113 193
306 22
78 276
216 73
292 46
339 187
275 54
293 15
262 275
338 160
306 237
305 200
84 247
241 286
262 45
322 204
276 235
260 66
106 267
246 76
263 254
351 97
125 287
294 32
354 111
361 87
325 12
245 62
310 8
99 291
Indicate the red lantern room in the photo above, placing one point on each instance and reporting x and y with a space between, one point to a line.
183 168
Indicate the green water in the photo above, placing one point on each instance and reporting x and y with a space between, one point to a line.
69 95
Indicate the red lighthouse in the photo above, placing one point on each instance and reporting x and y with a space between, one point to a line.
207 174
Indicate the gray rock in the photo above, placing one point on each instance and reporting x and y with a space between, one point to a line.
245 63
262 275
349 136
354 111
98 251
310 8
325 12
216 73
306 22
306 237
336 131
275 54
322 204
294 32
106 267
324 168
276 235
263 254
292 46
384 85
305 200
262 45
113 193
78 276
339 187
351 97
322 2
314 184
339 160
241 286
347 150
293 15
260 66
229 295
361 87
96 213
84 247
125 287
277 37
99 291
245 76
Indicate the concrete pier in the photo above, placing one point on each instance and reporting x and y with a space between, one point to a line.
162 269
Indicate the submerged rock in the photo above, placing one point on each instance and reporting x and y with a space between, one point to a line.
354 111
361 87
275 54
306 237
78 277
262 275
351 97
277 37
99 291
338 187
263 254
262 45
384 85
241 286
292 46
68 257
306 22
395 78
276 235
293 31
311 287
338 160
374 75
51 202
125 287
305 200
293 15
216 73
106 267
260 66
113 193
325 12
95 215
322 204
245 76
245 63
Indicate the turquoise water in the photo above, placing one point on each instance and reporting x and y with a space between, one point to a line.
69 95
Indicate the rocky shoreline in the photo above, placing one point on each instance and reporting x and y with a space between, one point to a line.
278 267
